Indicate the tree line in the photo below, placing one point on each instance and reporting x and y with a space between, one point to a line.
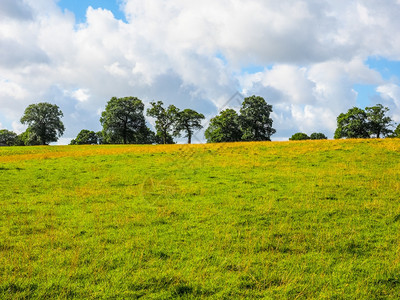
371 122
124 122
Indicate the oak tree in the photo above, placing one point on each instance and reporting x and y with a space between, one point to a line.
224 128
123 121
353 124
44 122
255 120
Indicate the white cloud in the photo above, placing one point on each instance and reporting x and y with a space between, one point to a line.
117 70
191 53
309 98
269 31
391 91
290 80
81 95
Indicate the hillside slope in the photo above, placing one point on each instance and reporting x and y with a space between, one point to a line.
313 219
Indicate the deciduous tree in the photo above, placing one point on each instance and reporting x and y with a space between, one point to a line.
299 136
27 138
7 137
123 121
353 124
188 121
146 136
224 128
255 120
85 137
166 119
44 122
318 136
378 122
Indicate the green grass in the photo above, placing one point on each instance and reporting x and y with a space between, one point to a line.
294 220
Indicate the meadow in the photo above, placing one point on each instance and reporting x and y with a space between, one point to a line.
277 220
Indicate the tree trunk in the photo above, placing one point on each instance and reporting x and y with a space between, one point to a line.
124 134
189 138
42 140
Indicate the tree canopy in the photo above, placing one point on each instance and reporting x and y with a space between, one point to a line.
224 128
359 123
27 138
255 121
353 124
123 121
44 122
7 137
318 136
85 137
188 121
299 136
378 122
166 119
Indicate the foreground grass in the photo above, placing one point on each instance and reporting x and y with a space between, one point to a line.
247 220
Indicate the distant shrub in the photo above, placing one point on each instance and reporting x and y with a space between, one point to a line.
299 136
85 137
7 137
318 136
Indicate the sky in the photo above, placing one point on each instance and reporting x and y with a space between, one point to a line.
311 60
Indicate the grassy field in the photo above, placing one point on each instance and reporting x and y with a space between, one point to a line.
276 220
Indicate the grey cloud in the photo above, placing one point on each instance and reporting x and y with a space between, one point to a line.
168 88
15 9
270 94
14 54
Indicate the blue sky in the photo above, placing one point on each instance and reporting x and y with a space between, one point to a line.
366 95
389 70
79 7
310 60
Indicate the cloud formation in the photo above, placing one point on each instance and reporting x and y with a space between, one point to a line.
14 9
197 54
